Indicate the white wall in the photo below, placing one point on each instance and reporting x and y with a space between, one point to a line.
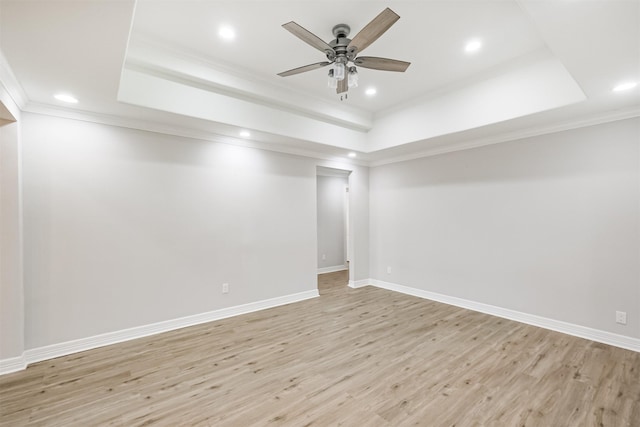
548 226
126 228
359 224
331 221
11 284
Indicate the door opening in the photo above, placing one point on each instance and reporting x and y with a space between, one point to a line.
333 224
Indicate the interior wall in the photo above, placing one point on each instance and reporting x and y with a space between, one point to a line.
359 224
548 225
125 228
331 221
11 284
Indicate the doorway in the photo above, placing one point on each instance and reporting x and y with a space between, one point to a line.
333 227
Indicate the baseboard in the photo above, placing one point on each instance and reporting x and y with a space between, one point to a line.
83 344
597 335
12 364
354 284
62 349
332 269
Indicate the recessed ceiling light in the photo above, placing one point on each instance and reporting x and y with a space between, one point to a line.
245 133
227 33
371 91
473 46
65 97
352 154
625 86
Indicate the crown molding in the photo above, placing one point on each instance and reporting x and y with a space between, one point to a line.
11 84
284 101
177 64
463 143
469 143
185 132
332 172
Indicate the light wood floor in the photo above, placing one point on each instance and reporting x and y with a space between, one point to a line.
365 357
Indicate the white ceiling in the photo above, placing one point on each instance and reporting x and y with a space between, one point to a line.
543 65
431 37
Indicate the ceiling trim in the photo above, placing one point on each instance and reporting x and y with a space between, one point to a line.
470 143
12 85
184 132
210 86
192 103
332 172
464 144
147 56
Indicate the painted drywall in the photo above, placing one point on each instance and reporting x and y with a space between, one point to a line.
152 91
359 224
537 83
125 228
331 221
159 59
11 284
548 225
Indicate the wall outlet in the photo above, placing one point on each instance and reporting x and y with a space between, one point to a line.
225 288
324 256
621 317
389 270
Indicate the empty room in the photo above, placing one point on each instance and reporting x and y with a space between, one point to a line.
320 213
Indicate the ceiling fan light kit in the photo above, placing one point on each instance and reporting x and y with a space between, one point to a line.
353 77
342 52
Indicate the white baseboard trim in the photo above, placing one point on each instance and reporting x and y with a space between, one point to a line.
354 284
332 269
597 335
83 344
13 364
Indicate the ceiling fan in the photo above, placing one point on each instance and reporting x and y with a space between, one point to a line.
343 51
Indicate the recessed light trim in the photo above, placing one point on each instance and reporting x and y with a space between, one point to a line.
227 33
370 91
352 154
473 46
65 97
245 133
625 86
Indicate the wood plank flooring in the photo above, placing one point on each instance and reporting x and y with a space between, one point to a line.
364 357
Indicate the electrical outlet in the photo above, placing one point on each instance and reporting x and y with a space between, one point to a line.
389 270
324 256
225 288
621 317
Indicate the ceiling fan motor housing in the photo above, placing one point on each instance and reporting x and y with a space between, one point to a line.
340 44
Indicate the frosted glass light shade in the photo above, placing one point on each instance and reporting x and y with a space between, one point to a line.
332 82
338 71
353 77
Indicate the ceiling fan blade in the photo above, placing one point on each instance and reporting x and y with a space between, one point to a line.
373 30
307 36
343 86
304 69
384 64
